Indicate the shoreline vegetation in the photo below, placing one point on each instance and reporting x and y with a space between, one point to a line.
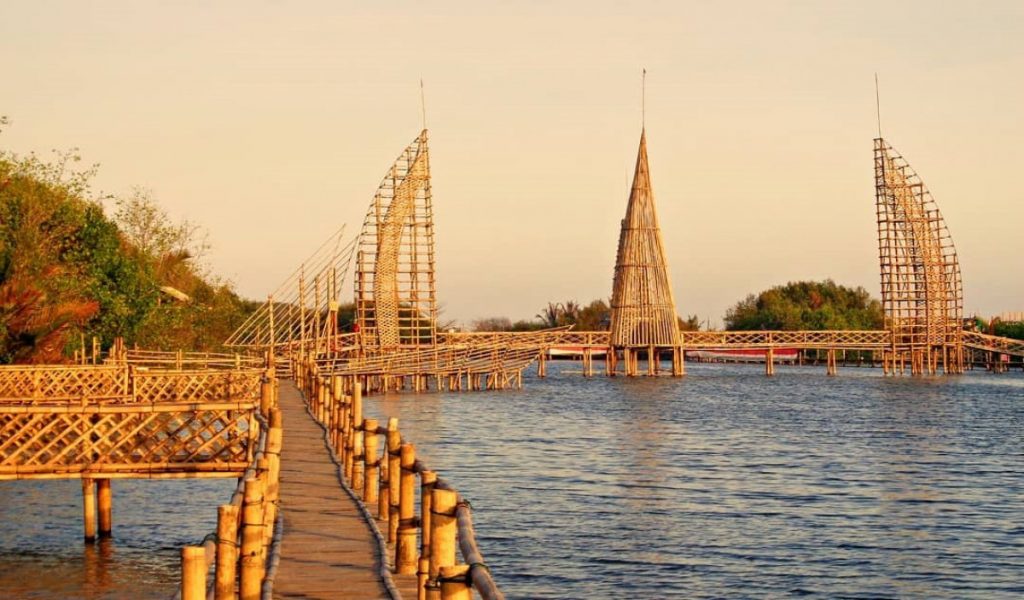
70 270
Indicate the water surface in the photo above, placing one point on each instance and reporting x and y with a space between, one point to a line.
729 484
42 554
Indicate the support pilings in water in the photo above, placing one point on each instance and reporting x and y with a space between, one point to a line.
97 501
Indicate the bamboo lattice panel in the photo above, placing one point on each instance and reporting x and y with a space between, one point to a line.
124 384
197 386
992 343
60 383
212 439
394 279
922 292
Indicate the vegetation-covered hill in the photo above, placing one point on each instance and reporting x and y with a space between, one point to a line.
807 305
69 271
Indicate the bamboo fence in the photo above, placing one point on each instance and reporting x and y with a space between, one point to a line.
383 470
243 549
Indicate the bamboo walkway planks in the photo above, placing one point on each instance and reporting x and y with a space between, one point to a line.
327 549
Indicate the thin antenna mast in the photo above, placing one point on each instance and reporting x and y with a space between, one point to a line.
643 99
878 108
423 104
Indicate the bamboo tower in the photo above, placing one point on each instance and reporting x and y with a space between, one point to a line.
643 313
394 282
922 293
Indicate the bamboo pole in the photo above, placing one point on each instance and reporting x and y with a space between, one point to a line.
227 551
105 502
371 462
394 478
428 479
405 552
252 541
89 508
193 573
384 496
443 529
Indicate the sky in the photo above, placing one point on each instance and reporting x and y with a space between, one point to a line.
272 123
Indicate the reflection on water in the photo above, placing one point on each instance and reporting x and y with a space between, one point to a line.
42 554
729 484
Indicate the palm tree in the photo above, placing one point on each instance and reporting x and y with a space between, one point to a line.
551 315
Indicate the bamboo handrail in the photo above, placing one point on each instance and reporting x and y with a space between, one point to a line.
329 395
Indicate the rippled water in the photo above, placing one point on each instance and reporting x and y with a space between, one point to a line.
42 554
729 484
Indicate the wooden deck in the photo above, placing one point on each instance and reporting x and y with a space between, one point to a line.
327 549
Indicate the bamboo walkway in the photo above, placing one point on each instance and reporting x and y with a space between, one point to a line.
327 549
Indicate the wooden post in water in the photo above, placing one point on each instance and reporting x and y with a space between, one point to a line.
443 530
371 462
454 583
193 573
394 478
427 481
405 551
252 541
89 508
769 362
227 551
105 501
384 494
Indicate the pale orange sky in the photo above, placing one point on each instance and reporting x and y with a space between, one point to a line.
271 123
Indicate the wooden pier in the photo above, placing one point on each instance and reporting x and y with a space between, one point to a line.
327 548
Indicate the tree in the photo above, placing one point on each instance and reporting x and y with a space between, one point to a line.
492 324
807 305
692 323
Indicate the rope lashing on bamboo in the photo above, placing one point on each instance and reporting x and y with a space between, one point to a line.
466 577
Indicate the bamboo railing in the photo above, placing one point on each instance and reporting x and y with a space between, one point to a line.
103 422
242 548
188 360
385 477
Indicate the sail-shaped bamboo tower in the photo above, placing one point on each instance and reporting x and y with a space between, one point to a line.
643 311
922 293
394 280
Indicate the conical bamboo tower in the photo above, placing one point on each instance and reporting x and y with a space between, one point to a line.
643 312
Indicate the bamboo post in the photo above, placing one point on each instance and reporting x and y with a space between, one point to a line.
89 508
384 497
443 530
428 480
405 552
394 477
455 583
193 573
370 462
105 501
266 396
227 551
252 541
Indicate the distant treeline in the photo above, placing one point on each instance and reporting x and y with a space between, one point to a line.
69 271
595 316
794 306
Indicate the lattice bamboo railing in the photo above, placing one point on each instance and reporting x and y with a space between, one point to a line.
992 343
110 421
248 527
386 476
835 339
191 360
